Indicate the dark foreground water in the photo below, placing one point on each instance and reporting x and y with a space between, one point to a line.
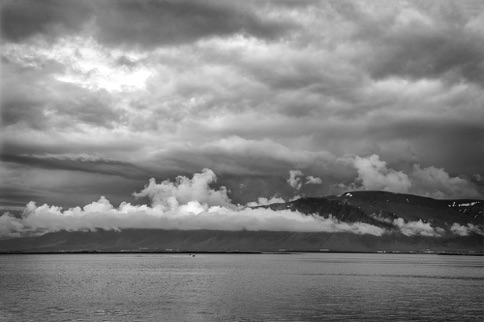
296 287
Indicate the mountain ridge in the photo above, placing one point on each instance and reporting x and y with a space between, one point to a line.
366 206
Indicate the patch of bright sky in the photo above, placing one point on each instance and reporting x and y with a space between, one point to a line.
402 86
87 64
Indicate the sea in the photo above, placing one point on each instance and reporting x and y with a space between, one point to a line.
241 287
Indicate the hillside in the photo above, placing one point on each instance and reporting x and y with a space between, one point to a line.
380 208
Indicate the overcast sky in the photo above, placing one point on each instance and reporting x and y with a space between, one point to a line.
278 98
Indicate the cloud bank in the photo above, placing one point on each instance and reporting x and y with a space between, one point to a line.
185 204
190 204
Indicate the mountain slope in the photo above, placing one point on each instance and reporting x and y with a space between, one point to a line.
380 208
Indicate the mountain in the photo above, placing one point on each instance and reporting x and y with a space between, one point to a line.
411 224
381 208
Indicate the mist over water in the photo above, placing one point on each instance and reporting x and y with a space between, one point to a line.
297 287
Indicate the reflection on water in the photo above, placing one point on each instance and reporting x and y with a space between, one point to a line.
296 287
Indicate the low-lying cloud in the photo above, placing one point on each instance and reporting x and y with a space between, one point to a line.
185 204
265 201
413 228
465 230
191 204
190 216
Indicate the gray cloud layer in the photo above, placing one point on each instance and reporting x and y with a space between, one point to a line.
139 23
358 95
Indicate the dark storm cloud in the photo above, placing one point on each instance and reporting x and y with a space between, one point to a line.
21 19
153 23
146 23
452 54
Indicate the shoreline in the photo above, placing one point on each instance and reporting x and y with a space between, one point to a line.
101 252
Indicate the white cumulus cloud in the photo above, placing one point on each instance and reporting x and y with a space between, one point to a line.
295 179
313 180
374 175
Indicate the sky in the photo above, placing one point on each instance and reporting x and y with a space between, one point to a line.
277 99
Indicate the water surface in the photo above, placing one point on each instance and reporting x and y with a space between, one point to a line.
212 287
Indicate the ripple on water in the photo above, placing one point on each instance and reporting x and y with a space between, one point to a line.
300 287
